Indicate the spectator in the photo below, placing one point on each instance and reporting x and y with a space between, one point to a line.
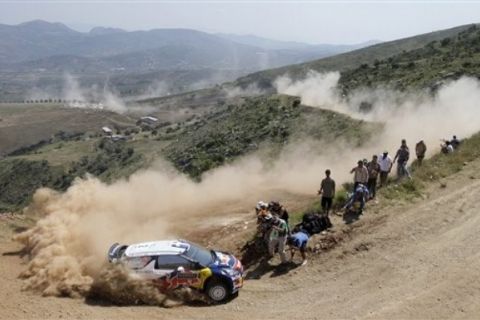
361 195
278 237
360 174
373 169
298 241
446 147
386 164
277 209
420 150
327 190
403 154
455 142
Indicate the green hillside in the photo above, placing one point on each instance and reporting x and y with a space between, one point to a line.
350 60
240 129
424 67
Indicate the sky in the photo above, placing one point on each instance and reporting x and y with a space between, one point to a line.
311 21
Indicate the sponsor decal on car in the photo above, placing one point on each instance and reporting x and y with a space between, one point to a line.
178 279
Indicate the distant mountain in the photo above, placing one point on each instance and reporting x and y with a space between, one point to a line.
270 44
264 43
100 31
38 39
45 45
52 49
421 61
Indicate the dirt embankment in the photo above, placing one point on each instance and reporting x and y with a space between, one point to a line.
415 260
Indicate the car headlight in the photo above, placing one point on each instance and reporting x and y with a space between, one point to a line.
229 272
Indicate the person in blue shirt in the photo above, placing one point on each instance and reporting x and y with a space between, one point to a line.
298 241
361 195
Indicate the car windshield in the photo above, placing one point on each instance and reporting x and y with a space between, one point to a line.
199 254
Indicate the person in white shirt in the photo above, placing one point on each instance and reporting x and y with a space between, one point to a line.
449 147
386 164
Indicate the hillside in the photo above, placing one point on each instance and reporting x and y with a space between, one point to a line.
318 50
24 125
194 143
425 67
240 129
349 60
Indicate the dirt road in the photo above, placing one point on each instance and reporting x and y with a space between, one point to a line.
418 260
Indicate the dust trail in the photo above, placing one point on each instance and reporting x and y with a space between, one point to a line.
73 91
413 116
249 91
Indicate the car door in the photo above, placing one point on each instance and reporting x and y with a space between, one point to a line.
176 271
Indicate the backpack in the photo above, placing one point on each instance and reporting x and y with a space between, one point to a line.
314 223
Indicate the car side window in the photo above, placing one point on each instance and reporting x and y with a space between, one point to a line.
171 262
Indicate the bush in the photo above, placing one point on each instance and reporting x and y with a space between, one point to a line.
340 199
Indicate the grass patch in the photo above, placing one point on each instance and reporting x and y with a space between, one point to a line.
406 190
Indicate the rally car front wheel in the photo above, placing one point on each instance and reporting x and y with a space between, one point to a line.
217 291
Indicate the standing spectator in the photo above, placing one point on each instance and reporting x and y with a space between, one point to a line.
455 142
402 156
327 190
420 150
373 169
278 210
278 238
360 175
386 164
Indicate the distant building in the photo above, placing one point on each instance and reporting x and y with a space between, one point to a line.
149 119
107 131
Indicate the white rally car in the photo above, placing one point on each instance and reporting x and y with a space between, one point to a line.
178 263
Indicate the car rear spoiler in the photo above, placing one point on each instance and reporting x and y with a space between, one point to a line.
113 252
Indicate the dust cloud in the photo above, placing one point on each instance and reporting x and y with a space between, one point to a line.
80 97
68 246
453 110
249 91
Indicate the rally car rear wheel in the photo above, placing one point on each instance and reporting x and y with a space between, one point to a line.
217 291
